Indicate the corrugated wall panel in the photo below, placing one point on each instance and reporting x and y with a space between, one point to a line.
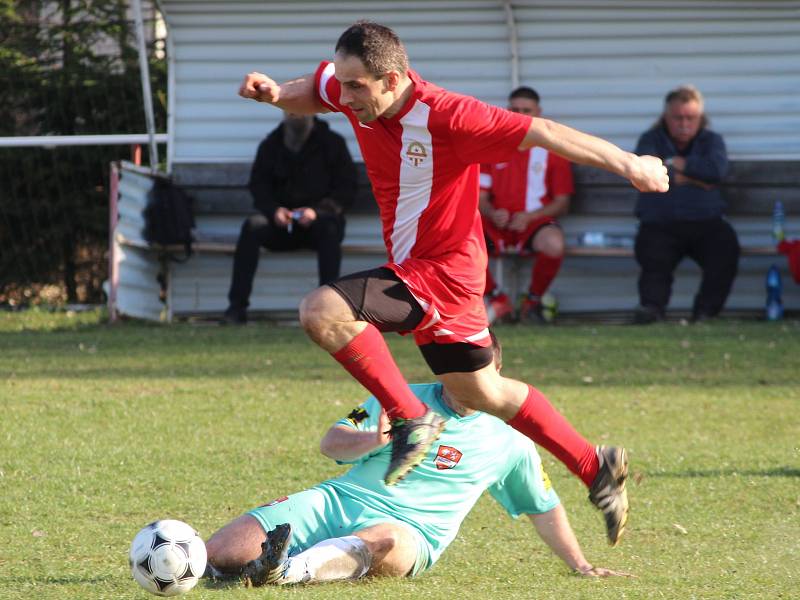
605 67
462 45
138 290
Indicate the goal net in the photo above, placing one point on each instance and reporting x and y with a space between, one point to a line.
67 68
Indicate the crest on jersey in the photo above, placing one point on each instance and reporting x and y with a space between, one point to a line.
447 457
538 167
416 153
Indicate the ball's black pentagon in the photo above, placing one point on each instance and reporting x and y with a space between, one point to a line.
162 583
144 565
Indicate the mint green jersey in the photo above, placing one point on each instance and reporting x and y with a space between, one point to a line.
474 453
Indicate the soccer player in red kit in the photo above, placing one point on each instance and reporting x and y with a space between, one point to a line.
520 201
422 146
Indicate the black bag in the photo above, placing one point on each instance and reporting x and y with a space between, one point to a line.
168 217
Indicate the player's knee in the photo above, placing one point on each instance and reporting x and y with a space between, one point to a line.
313 311
220 553
393 552
255 222
553 246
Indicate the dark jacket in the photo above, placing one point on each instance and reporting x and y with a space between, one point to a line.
706 160
321 175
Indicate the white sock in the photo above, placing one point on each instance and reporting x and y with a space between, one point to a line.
330 560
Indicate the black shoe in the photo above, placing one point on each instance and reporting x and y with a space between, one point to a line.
701 317
411 440
645 315
608 490
234 316
271 565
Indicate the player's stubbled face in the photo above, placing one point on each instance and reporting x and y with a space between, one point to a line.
683 120
367 96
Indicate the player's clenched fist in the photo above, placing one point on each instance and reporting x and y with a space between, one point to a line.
648 174
260 87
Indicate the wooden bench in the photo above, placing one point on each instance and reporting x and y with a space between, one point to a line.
592 278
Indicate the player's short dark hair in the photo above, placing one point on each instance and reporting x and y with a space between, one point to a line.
524 91
377 46
497 349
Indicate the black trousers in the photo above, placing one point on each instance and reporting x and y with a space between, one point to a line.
712 244
325 235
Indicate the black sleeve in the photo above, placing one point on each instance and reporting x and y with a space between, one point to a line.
647 145
343 175
261 179
710 164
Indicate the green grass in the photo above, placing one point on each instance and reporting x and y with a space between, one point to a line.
105 428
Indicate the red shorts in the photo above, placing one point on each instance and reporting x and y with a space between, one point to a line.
454 310
503 240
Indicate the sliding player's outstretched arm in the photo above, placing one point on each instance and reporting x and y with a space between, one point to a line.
296 96
646 173
554 528
349 443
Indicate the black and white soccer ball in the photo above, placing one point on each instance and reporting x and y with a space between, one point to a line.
167 557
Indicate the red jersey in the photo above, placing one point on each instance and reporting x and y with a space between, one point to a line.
528 180
423 166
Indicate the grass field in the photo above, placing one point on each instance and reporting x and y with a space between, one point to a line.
106 428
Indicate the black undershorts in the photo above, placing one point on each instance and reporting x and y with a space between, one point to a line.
379 296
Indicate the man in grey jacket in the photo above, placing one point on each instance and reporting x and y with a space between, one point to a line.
688 219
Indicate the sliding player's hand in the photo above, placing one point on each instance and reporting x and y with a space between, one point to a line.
384 429
602 572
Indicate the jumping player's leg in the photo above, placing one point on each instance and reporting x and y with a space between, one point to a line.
478 384
359 347
346 319
527 410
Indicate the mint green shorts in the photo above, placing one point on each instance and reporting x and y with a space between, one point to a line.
321 513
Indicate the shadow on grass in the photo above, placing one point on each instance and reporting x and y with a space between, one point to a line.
732 472
221 584
62 580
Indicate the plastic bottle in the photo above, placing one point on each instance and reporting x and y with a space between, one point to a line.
774 308
605 240
778 218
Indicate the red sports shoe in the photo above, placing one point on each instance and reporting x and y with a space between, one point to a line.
499 308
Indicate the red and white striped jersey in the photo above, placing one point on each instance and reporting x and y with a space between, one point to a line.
528 181
423 164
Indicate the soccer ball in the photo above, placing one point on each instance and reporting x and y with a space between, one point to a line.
167 557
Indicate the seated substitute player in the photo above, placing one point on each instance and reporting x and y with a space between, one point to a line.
422 146
355 525
520 201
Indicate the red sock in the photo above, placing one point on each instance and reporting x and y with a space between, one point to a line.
545 269
367 358
541 422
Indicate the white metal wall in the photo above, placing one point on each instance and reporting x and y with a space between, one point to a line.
458 44
605 67
601 66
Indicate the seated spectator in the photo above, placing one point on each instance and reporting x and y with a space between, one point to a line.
301 181
520 201
688 219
